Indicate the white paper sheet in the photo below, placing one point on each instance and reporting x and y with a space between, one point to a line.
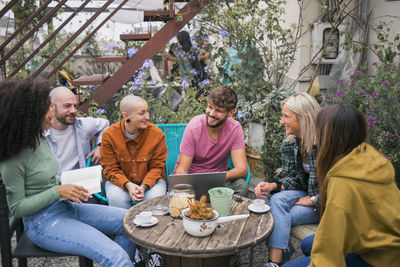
89 178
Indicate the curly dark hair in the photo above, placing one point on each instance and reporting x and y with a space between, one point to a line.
24 103
224 97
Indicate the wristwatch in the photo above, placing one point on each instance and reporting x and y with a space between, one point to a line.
313 200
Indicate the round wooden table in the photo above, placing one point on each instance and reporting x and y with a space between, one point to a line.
178 248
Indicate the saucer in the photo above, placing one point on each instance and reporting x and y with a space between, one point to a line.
154 221
252 208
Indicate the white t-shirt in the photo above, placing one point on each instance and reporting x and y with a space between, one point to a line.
67 153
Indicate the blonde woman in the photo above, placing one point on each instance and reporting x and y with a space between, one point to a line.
295 193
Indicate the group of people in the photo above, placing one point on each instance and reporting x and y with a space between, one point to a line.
329 175
332 176
41 137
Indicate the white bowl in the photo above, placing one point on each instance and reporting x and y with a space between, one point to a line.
199 228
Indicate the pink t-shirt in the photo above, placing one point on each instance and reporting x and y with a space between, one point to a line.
209 155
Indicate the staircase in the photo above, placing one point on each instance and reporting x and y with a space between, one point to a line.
153 44
108 84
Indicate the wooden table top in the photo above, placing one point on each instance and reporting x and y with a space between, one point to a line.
169 237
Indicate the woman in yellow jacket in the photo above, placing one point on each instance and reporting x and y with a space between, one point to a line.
360 202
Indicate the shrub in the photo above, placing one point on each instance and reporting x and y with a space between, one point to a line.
377 96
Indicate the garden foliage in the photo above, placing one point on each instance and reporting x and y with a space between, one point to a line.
375 90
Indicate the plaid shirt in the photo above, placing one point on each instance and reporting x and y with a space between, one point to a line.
293 176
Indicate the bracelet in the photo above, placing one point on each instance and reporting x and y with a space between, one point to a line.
278 187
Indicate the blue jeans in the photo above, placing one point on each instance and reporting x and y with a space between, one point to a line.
352 260
69 227
117 197
286 214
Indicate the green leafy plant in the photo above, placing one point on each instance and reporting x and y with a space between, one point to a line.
375 90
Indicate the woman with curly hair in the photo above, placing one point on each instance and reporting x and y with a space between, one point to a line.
53 215
360 202
295 191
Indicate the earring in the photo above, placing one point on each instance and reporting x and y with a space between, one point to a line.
128 120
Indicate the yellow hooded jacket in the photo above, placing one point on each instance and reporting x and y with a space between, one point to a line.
362 214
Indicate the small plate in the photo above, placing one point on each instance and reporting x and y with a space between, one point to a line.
159 210
252 208
154 221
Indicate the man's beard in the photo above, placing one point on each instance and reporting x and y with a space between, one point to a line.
64 121
219 123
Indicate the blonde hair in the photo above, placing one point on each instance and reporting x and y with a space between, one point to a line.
306 108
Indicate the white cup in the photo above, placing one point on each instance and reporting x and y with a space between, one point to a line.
144 217
259 203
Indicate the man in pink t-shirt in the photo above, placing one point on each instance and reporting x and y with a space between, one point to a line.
210 139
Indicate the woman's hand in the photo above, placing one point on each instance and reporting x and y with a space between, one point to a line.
304 201
73 192
265 188
135 192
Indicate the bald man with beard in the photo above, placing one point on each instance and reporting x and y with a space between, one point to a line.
69 137
133 155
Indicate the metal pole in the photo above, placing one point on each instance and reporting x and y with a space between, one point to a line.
31 32
86 39
49 38
72 38
37 12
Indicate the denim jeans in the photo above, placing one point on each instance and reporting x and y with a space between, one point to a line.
286 215
69 227
117 197
352 260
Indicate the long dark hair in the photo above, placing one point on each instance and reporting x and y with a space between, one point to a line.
24 104
340 128
184 40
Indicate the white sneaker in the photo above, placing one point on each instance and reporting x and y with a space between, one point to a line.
271 264
155 260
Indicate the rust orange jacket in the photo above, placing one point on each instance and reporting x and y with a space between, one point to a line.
140 160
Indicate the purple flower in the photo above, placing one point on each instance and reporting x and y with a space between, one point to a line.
339 81
375 120
368 112
398 139
351 82
224 34
385 83
326 96
147 64
340 92
132 88
131 51
185 84
244 116
111 46
372 109
374 95
205 82
386 134
361 91
394 107
101 111
374 63
368 102
381 133
351 76
138 81
398 53
389 67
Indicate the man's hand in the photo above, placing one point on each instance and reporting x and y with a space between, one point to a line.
73 192
304 201
265 188
135 192
96 155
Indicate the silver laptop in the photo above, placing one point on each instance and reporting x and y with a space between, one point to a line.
201 182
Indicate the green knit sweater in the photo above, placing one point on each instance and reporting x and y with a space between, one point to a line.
30 179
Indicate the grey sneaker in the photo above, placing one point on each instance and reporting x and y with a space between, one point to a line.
271 264
155 260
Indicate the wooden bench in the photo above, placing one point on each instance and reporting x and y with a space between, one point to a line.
302 231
